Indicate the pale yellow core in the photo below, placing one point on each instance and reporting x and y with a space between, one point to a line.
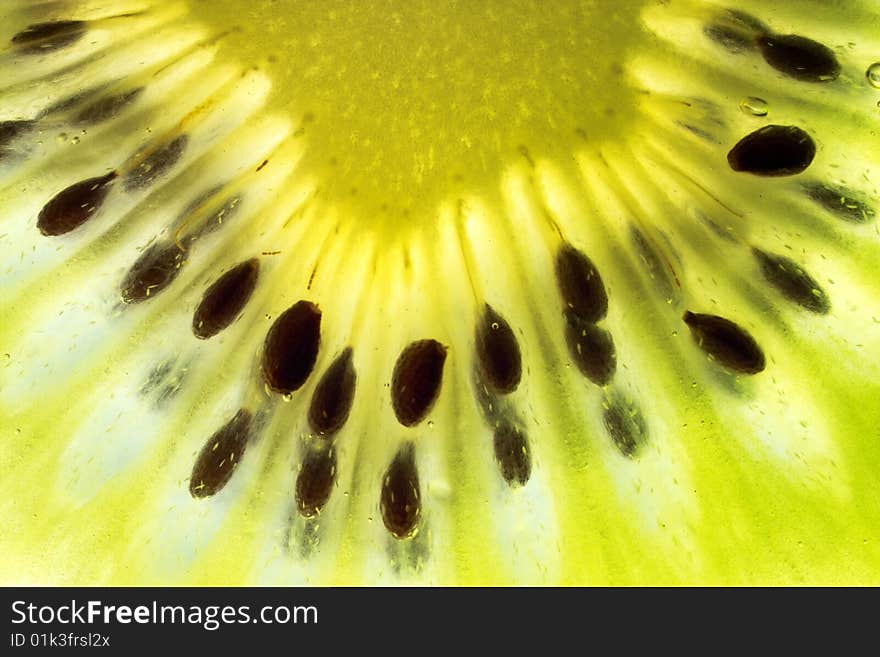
404 102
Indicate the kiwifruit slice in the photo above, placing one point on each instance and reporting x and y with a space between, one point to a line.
338 292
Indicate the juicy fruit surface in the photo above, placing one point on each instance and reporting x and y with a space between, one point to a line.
474 293
414 102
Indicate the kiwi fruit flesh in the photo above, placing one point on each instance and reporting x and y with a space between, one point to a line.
439 292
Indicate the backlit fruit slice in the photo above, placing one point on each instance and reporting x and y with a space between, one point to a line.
385 292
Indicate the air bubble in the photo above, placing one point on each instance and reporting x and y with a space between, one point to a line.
873 75
754 106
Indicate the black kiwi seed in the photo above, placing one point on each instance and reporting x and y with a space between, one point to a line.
156 163
333 396
224 300
735 31
800 58
512 454
315 480
220 456
44 37
726 342
291 347
625 426
401 496
591 348
843 202
580 285
774 150
73 206
498 352
153 271
792 281
416 381
106 108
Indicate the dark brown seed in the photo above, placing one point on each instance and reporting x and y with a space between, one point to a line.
12 130
153 271
792 281
291 347
220 456
512 454
626 427
315 480
580 285
156 164
726 342
843 202
401 496
106 108
774 150
735 31
416 381
72 207
224 300
333 396
591 348
44 37
800 58
498 352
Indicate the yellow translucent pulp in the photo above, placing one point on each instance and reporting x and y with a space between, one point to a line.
405 103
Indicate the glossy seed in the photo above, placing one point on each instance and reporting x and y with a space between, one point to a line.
416 381
106 108
498 352
291 347
580 285
72 207
800 58
333 396
45 37
843 202
625 426
220 456
774 150
735 31
315 480
792 281
224 300
156 164
512 454
726 342
401 497
591 348
153 271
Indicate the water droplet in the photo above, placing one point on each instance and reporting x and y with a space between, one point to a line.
873 75
754 106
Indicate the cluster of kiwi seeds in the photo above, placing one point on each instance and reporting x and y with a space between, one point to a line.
654 361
